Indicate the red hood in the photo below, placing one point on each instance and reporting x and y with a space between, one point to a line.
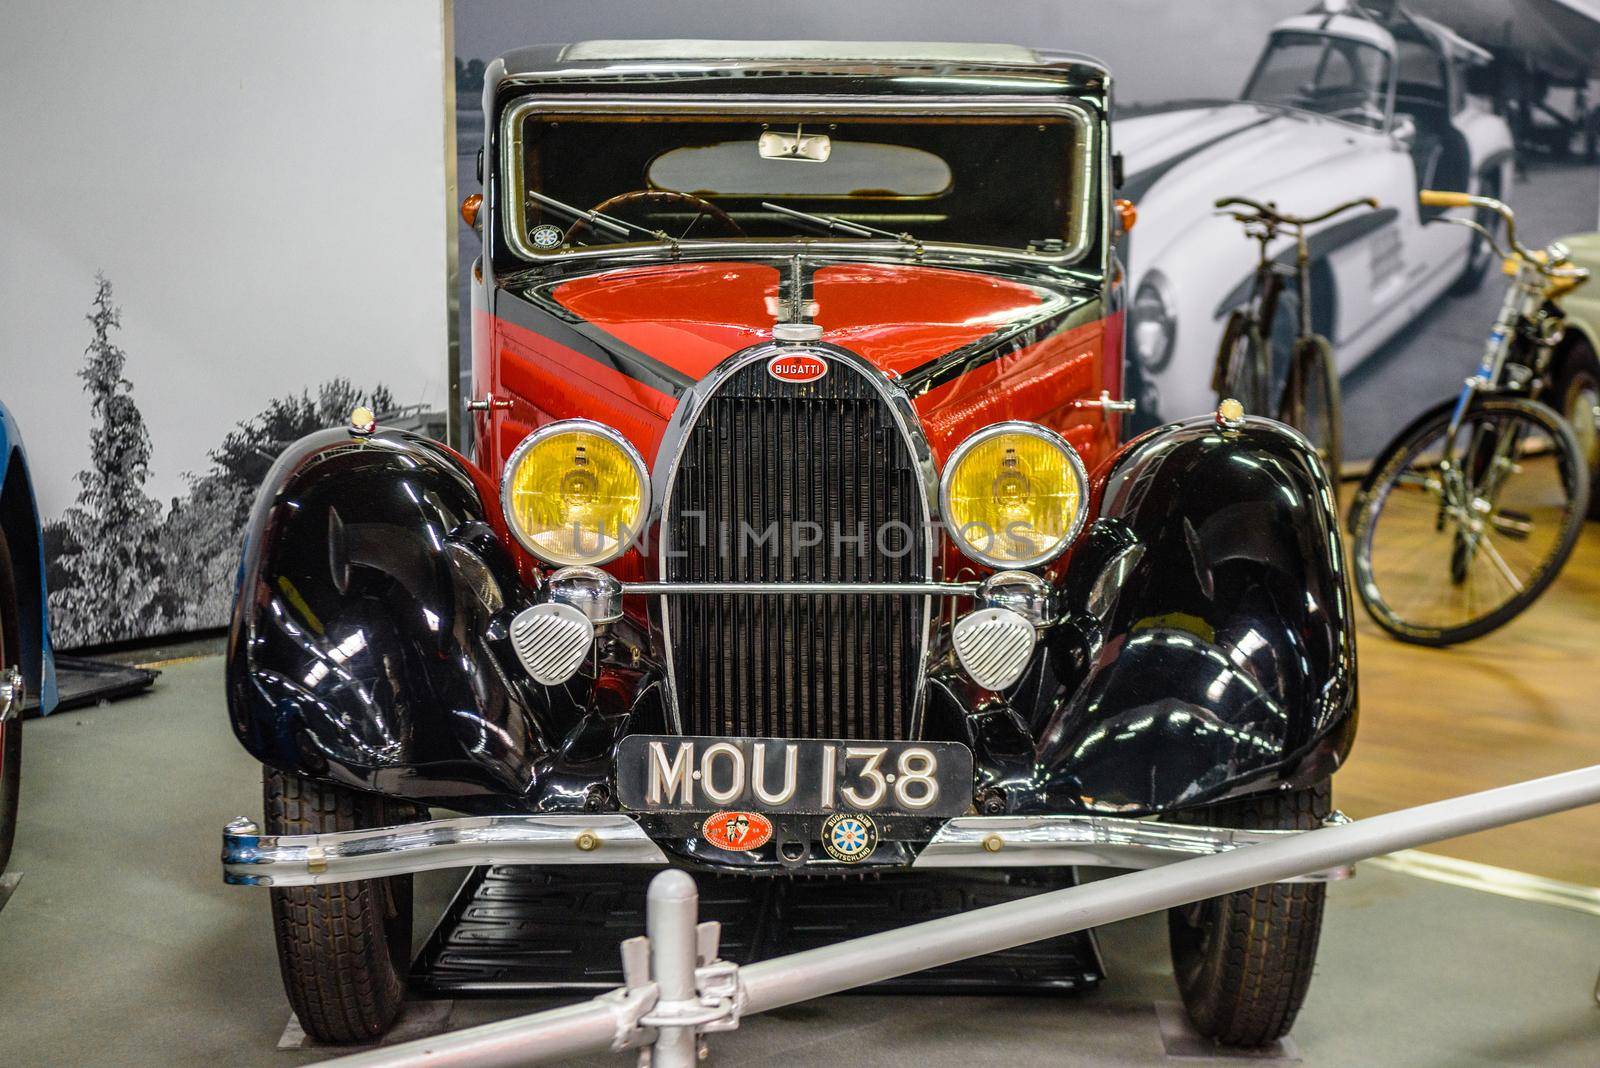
692 316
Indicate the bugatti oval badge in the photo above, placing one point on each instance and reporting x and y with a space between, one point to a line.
797 367
737 831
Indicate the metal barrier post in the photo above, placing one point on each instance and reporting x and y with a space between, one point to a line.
671 911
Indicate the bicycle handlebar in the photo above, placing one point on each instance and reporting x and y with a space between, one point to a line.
1444 198
1270 213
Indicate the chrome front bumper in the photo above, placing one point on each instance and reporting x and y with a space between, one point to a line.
251 858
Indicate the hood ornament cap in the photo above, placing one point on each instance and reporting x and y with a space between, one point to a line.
793 307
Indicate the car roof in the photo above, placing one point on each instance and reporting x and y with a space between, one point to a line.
622 58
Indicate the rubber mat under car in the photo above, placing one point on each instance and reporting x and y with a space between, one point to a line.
520 930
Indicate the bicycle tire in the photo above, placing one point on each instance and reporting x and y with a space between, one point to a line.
1393 461
1242 365
1311 403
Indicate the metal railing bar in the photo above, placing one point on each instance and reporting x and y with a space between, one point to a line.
767 589
874 958
603 1023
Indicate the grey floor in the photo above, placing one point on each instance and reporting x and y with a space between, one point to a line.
121 945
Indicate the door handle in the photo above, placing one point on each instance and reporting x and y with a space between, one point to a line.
1106 404
488 403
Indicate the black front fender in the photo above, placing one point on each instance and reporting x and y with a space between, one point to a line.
1208 648
368 642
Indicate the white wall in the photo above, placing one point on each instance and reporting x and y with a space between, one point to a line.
263 184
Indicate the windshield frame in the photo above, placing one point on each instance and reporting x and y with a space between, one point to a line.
1089 180
1384 48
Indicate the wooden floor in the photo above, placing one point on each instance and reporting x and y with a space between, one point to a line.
1519 703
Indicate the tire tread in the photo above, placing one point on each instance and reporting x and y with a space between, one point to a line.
335 944
1248 989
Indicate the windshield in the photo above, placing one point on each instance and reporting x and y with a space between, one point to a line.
1008 181
1336 76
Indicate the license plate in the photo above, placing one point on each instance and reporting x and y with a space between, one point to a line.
676 774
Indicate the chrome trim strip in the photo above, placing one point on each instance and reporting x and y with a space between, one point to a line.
559 427
1098 841
13 694
1085 186
683 589
253 859
676 437
250 858
1016 426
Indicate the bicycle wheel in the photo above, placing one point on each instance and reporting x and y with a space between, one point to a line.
1242 365
1454 535
1310 403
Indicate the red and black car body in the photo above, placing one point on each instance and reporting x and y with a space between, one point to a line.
1194 640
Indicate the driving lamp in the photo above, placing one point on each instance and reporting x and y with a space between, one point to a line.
1015 495
575 492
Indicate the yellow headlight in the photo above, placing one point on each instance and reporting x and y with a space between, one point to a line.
1015 495
575 492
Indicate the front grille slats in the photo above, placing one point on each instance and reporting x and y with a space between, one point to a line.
774 455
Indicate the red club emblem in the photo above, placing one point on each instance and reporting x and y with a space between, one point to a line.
797 367
737 831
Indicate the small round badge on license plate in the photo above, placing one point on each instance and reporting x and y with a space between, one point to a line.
738 832
849 837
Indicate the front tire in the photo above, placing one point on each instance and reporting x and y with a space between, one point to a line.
1414 575
1577 397
343 948
1242 368
1312 406
1243 961
11 729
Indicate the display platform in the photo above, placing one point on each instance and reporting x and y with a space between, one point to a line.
83 682
520 930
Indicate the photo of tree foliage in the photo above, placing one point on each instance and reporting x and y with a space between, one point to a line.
123 567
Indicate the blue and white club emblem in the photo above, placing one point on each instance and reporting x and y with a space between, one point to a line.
849 837
547 236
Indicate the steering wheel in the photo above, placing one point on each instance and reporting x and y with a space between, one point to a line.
655 198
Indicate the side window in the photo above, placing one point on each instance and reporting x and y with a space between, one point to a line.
1422 75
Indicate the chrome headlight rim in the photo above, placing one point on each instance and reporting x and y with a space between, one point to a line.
1156 283
1015 426
550 430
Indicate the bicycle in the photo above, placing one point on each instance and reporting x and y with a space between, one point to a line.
1308 397
1467 516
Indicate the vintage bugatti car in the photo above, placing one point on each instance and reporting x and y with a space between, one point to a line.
26 664
1348 100
798 537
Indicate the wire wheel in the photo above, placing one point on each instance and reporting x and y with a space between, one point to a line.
1456 534
1311 404
1242 366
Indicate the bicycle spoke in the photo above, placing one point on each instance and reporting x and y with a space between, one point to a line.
1500 563
1495 499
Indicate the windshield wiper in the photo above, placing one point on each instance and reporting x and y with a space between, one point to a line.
831 224
609 223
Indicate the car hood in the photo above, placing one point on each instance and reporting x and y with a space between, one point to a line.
692 316
1239 144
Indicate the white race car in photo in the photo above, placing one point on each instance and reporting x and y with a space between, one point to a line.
1345 101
